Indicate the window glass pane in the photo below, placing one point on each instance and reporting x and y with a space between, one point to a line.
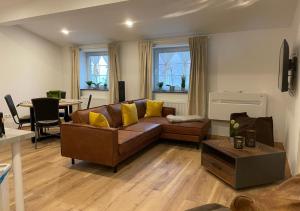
171 64
98 67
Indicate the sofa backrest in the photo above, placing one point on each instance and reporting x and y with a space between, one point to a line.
115 113
112 112
82 116
141 107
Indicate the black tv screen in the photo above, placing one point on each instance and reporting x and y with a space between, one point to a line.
283 83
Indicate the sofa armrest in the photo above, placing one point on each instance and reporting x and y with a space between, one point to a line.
168 111
86 142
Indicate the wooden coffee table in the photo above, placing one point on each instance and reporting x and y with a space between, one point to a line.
241 168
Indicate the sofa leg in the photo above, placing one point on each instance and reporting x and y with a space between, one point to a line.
73 161
115 169
198 145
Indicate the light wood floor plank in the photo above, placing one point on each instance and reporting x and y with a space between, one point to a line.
165 176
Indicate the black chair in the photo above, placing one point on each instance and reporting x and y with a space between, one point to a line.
14 113
89 102
46 114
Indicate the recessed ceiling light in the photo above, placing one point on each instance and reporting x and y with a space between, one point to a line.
129 23
65 31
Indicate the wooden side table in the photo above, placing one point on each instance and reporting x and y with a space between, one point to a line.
241 168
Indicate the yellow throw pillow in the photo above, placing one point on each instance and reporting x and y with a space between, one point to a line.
129 114
153 108
98 120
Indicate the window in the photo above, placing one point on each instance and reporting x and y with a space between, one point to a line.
171 68
97 66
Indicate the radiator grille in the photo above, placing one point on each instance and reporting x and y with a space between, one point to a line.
181 107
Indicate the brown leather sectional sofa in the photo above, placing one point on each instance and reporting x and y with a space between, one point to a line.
110 146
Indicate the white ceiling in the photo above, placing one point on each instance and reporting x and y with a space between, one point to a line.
160 18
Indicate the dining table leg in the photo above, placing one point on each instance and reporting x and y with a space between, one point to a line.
66 114
32 120
70 109
18 176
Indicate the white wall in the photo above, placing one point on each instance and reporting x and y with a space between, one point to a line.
248 61
292 133
129 66
30 66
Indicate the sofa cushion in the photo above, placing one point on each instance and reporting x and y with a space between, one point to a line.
98 120
154 108
157 120
141 107
116 115
125 135
129 114
82 116
143 127
133 141
184 128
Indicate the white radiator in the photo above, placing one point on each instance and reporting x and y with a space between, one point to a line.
181 107
222 104
95 102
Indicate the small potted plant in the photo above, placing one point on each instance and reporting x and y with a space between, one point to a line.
183 78
97 85
89 83
105 84
160 85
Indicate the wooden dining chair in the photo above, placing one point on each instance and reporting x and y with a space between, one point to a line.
14 113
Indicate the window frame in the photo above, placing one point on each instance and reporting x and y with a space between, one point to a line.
87 67
162 49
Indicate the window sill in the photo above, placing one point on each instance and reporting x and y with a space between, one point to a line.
171 92
94 89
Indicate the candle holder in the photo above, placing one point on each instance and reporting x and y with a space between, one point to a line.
250 138
239 142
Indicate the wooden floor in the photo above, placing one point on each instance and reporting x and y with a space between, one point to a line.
165 176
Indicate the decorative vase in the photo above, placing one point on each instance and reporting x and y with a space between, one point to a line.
172 88
239 142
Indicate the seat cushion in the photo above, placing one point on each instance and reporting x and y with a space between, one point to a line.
183 128
137 136
125 136
130 141
143 127
47 123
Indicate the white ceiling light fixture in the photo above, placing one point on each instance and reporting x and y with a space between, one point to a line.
129 23
65 31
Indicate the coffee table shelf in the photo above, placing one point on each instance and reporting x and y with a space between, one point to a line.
243 168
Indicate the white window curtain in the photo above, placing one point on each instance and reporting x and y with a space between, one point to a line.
145 66
197 88
114 72
75 89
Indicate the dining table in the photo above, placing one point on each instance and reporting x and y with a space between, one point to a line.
66 104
